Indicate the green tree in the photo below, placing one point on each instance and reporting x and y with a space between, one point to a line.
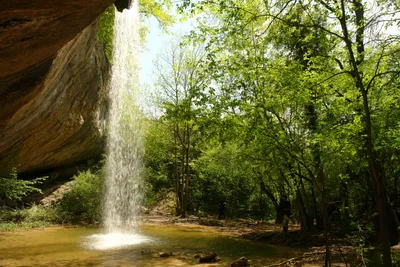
177 86
302 68
13 188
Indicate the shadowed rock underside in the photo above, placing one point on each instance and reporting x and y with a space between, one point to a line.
53 76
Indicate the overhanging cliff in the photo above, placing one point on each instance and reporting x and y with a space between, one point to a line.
53 77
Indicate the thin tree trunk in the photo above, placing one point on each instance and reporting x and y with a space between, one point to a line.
374 165
326 233
307 222
183 189
187 167
271 196
177 178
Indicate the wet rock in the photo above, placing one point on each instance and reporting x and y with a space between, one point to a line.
122 4
208 258
147 251
57 195
242 262
165 254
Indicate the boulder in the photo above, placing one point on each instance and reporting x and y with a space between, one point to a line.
165 254
212 257
242 262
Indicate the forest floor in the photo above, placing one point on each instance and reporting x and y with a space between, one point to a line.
342 252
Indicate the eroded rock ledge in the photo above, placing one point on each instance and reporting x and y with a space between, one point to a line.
32 32
61 123
53 77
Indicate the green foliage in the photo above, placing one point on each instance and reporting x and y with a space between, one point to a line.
12 188
32 217
8 226
396 259
223 177
105 33
309 91
148 8
83 202
179 123
80 205
159 10
158 156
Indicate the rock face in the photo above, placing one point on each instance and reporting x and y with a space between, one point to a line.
31 33
53 93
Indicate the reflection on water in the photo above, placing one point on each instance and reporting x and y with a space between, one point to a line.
87 247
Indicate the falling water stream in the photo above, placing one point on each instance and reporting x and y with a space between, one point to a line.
123 183
124 141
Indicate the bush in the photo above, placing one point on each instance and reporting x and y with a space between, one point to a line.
12 188
83 202
105 33
35 216
80 205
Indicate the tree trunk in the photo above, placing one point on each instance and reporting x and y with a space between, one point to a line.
183 190
375 166
326 233
278 209
317 215
177 177
186 170
396 195
378 178
305 220
280 212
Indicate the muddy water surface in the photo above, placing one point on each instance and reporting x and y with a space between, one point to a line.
71 247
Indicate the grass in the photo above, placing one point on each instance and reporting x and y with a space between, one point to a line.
36 216
11 226
81 205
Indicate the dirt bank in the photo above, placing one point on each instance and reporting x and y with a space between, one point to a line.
342 253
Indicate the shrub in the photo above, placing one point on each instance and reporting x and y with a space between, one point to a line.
35 216
105 33
83 202
12 188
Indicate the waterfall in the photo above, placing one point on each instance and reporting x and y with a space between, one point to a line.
123 185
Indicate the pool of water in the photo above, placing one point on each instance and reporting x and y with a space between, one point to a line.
88 247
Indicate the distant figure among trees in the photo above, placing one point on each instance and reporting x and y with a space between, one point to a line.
285 203
221 211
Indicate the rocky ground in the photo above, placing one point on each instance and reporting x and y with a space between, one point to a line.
342 254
